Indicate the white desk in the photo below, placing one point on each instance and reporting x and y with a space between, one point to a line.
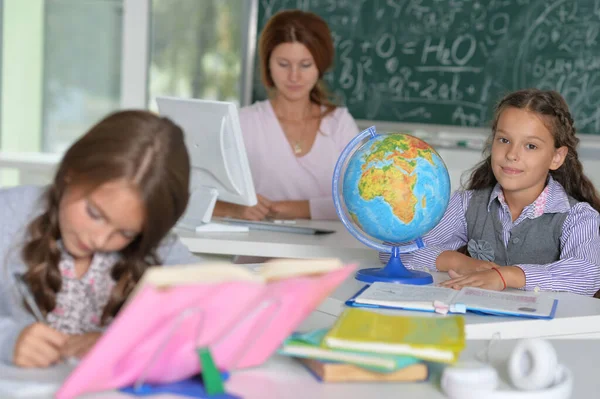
576 316
283 378
281 245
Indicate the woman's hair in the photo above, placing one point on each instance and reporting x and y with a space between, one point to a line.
297 26
553 110
143 148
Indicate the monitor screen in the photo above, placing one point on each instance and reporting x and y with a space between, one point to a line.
220 167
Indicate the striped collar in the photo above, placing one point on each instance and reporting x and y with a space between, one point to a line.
553 199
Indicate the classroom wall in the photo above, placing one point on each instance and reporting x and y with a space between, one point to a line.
459 159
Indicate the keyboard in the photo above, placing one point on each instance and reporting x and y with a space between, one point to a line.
275 225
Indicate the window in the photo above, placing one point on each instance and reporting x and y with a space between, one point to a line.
61 63
82 67
196 49
65 64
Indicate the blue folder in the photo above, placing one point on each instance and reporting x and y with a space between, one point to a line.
191 388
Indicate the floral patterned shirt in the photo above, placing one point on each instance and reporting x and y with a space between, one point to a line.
80 302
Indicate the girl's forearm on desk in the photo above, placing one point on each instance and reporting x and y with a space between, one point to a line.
514 276
453 260
463 264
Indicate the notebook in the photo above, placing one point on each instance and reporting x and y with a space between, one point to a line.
438 339
341 372
242 316
413 297
309 345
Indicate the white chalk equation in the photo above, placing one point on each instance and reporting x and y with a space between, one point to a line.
448 62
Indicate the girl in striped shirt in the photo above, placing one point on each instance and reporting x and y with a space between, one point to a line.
529 216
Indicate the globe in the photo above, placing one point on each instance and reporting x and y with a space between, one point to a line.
388 189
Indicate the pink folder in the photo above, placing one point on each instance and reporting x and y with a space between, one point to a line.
154 338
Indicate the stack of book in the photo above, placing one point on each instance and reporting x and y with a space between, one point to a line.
370 346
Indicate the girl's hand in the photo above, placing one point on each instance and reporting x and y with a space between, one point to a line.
38 345
486 279
290 210
461 263
79 345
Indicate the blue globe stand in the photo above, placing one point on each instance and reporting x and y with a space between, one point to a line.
394 272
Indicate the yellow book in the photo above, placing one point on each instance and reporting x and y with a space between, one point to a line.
439 339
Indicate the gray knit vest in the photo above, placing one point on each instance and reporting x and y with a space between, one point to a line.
532 241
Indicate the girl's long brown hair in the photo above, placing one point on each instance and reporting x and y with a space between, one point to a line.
139 146
297 26
553 109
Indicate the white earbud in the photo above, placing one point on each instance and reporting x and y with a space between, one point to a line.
532 367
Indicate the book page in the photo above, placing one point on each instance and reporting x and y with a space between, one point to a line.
203 273
518 303
278 269
162 276
405 296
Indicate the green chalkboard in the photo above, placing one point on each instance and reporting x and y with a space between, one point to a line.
449 61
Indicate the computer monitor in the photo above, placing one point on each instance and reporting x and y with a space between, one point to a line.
220 168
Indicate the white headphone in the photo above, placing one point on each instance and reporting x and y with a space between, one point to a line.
532 367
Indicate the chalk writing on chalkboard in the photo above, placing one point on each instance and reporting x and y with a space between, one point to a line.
449 61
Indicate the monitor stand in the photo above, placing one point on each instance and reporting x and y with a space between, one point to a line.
198 214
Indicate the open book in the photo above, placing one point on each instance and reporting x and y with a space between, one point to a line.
241 315
273 270
413 297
